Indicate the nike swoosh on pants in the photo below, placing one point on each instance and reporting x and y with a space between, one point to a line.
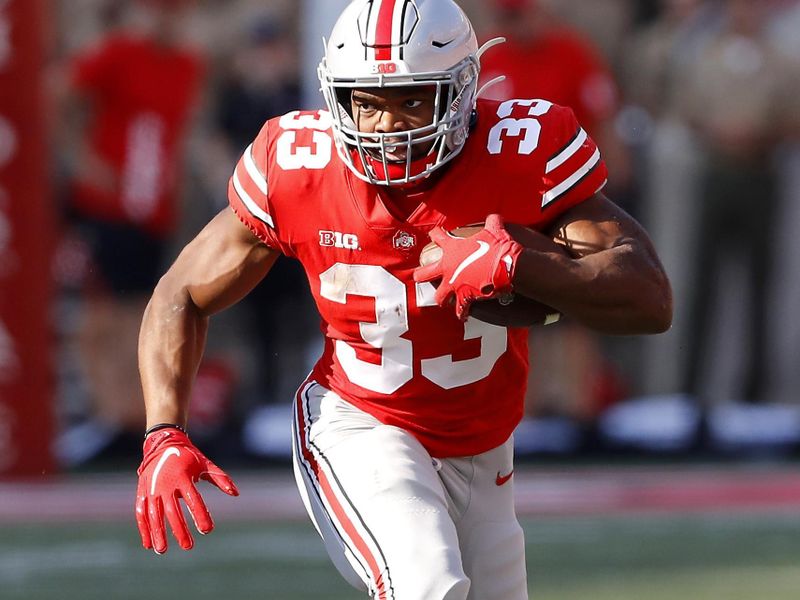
169 452
482 249
502 479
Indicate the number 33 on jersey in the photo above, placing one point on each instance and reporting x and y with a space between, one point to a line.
390 350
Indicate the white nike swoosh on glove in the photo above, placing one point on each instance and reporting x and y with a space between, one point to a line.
482 249
169 452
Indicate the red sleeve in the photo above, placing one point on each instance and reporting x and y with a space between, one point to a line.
248 191
574 170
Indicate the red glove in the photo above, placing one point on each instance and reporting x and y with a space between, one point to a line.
170 468
474 268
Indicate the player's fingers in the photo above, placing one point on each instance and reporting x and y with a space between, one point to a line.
177 523
198 510
155 519
217 476
141 521
429 272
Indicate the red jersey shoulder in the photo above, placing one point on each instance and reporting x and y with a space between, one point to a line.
279 173
522 133
536 151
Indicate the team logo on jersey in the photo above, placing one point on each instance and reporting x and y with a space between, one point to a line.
403 240
337 239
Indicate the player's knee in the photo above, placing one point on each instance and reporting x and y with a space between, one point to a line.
495 560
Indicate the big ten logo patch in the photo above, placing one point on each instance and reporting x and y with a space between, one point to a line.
337 239
403 240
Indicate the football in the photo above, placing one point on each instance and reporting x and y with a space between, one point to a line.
510 310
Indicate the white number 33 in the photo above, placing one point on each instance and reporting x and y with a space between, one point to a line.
528 129
290 155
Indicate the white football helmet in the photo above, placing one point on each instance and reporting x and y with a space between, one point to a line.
387 43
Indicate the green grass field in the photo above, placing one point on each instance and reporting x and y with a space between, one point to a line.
644 557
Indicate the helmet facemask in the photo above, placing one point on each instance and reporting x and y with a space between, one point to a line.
365 153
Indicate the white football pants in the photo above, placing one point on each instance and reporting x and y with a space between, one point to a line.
397 523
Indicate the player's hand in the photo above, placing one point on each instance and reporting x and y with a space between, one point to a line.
474 268
170 468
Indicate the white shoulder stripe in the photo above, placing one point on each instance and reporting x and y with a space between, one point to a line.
565 185
253 171
254 208
567 153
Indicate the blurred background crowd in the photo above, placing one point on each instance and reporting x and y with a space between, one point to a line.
695 105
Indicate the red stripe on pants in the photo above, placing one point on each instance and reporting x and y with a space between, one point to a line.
333 501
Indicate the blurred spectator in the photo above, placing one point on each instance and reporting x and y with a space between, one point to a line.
127 101
735 99
605 22
658 55
262 81
658 58
545 58
784 338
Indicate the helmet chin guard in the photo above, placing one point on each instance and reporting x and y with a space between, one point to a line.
401 43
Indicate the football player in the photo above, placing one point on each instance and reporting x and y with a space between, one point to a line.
403 429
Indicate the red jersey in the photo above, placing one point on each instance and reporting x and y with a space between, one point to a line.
389 349
141 94
559 66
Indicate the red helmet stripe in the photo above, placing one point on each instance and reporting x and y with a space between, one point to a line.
383 30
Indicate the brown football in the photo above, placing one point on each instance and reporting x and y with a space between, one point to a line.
508 311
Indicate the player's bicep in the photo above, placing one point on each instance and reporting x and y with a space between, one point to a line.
597 225
221 265
616 263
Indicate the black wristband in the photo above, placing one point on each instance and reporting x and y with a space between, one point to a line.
160 426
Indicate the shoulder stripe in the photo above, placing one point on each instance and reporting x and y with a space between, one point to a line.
252 170
254 208
573 179
564 155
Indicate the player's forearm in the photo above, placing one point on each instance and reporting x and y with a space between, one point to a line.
171 344
621 290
